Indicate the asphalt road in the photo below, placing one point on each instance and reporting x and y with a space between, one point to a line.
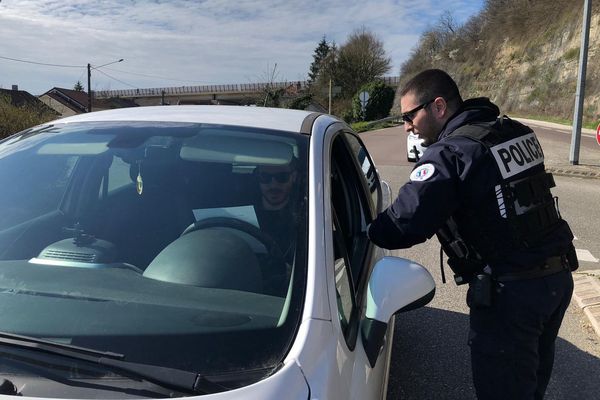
430 358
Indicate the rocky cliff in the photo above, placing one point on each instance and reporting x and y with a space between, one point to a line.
522 54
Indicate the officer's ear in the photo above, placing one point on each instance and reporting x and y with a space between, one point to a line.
440 107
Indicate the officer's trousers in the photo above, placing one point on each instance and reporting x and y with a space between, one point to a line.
512 342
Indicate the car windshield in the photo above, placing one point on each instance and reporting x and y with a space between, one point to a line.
176 245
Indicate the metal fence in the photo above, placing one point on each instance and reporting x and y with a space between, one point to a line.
210 89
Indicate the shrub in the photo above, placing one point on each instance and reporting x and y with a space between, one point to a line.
301 102
361 126
381 99
571 54
14 119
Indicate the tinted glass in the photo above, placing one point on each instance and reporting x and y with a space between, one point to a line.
157 241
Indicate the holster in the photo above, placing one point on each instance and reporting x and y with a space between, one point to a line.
465 269
481 291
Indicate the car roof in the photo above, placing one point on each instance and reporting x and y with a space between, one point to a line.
257 117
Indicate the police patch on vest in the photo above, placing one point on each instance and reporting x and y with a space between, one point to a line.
422 172
518 155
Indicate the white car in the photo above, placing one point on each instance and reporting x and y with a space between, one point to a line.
414 147
136 260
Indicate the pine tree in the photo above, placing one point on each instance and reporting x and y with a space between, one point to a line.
78 86
320 54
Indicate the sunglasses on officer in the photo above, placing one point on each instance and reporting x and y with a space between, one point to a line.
280 177
410 115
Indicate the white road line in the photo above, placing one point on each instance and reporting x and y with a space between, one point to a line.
584 255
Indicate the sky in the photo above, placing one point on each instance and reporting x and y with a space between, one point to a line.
167 43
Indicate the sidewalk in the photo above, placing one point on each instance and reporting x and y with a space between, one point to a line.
587 284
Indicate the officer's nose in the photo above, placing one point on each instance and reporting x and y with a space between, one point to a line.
408 126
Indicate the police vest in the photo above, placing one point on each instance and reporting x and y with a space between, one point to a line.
526 210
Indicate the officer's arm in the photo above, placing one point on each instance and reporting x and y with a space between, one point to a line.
423 204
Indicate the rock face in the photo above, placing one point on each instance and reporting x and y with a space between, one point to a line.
527 62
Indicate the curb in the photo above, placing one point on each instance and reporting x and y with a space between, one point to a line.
580 173
587 296
562 127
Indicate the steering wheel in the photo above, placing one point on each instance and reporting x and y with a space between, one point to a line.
275 272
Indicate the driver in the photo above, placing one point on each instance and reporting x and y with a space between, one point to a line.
275 208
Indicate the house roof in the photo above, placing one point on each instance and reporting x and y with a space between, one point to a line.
77 100
74 99
20 98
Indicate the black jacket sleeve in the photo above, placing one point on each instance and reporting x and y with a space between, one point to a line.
428 199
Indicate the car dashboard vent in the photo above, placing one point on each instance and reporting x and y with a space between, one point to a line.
96 251
69 256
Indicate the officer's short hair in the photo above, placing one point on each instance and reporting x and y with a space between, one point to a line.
433 83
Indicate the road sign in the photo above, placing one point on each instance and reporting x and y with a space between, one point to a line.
363 97
598 134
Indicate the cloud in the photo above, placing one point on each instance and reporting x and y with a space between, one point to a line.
196 42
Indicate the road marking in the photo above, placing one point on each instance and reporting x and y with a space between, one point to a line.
584 255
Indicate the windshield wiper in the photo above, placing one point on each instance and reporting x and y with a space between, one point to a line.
172 378
50 346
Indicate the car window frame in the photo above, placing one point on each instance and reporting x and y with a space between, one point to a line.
368 212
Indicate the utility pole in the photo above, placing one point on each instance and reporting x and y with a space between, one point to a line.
580 94
329 111
89 106
89 73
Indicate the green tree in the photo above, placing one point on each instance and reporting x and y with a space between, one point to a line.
319 56
78 86
362 59
381 99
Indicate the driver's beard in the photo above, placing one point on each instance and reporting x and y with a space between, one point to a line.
268 205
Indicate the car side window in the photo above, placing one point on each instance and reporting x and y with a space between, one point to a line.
351 205
368 169
17 204
351 213
116 177
118 174
344 289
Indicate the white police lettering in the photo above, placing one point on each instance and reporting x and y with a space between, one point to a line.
422 172
517 155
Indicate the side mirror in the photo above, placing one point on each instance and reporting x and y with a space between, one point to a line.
396 285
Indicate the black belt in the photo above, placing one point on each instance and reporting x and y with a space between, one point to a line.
553 265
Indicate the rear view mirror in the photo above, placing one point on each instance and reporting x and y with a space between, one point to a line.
396 285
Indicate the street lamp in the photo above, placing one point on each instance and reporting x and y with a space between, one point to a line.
89 71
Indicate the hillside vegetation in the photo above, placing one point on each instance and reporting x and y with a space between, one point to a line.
522 54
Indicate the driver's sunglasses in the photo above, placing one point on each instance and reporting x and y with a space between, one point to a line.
410 115
280 177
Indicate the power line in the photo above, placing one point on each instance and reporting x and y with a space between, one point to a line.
112 77
40 63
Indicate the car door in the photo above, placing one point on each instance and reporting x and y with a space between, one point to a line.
355 200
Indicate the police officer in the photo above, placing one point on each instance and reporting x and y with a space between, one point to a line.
481 186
